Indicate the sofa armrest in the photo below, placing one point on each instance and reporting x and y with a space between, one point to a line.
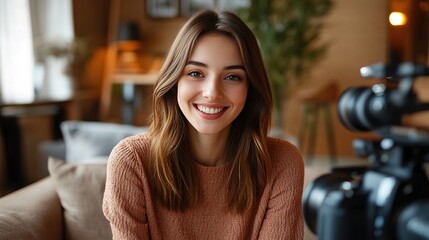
33 212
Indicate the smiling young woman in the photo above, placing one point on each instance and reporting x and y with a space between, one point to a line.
212 90
207 169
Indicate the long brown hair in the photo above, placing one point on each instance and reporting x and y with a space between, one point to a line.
172 173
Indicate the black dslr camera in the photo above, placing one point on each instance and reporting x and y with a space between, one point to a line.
389 197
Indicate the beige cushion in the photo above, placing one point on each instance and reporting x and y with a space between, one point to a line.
80 188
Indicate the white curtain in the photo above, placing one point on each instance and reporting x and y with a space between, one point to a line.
16 51
26 26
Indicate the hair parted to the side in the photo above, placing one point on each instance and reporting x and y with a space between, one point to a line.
172 173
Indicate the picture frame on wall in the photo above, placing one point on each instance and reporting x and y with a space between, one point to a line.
163 8
189 7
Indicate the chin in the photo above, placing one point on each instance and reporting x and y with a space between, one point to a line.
208 132
211 130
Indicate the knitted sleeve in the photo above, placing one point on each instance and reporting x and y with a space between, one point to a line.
123 202
283 218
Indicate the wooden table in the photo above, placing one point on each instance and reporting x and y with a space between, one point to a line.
11 112
129 82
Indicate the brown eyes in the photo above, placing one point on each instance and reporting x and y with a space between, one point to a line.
195 74
230 77
233 77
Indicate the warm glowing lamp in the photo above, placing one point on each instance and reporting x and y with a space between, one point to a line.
128 44
397 18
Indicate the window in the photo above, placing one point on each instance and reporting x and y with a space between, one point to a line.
16 51
30 28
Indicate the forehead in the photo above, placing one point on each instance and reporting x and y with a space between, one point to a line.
216 45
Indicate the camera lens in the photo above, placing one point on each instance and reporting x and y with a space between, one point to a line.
364 109
413 221
352 108
316 192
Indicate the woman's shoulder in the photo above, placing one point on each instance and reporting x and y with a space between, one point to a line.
130 148
135 142
285 155
280 146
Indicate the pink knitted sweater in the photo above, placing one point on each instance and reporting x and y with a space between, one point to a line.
135 214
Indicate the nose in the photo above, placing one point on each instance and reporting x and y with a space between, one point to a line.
212 88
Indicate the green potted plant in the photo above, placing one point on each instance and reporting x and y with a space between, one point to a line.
289 35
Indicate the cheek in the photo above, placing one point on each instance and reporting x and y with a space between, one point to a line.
238 96
181 90
242 95
184 93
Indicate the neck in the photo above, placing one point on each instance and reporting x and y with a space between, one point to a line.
209 149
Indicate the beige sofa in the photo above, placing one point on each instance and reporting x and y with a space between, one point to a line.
67 204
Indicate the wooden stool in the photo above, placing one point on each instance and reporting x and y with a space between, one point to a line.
317 100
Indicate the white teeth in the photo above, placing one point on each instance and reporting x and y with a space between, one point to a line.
209 110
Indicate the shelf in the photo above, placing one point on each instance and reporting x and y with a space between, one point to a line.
134 78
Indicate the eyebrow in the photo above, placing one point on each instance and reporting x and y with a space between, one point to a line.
200 64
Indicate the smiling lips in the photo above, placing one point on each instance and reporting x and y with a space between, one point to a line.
210 113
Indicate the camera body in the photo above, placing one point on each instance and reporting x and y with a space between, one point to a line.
376 201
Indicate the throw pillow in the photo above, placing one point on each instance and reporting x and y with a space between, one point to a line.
85 140
80 188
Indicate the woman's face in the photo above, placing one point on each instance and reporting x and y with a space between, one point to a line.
213 87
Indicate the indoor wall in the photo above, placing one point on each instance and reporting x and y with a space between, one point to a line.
357 35
356 32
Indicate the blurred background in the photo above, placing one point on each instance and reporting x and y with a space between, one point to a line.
97 60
